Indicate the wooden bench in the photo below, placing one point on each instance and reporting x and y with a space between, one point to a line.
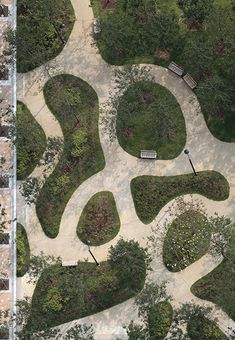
190 81
176 68
148 154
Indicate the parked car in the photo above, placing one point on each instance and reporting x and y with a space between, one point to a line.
96 25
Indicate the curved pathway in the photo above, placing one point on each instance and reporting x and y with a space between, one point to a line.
81 58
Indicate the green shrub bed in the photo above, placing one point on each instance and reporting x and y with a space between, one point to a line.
43 28
29 146
151 193
63 294
187 239
75 105
99 222
149 118
22 251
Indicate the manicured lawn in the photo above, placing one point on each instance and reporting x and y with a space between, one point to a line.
43 27
99 222
75 105
149 117
187 240
30 141
204 329
63 294
152 193
130 35
23 250
219 285
159 320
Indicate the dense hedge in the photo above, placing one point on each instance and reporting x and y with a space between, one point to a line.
75 105
30 141
22 250
151 193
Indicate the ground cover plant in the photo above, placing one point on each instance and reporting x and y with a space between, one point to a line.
187 240
43 27
75 104
149 117
218 286
63 294
22 250
99 222
198 35
151 193
29 146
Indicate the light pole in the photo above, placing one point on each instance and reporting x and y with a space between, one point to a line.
89 249
186 151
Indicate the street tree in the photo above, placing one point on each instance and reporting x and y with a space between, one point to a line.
196 11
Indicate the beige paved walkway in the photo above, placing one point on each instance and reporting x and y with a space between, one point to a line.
82 59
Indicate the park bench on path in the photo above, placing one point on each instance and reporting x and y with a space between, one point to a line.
190 81
148 154
176 68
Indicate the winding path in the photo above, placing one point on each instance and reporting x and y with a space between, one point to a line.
80 57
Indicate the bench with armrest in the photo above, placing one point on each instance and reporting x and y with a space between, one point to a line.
148 154
176 68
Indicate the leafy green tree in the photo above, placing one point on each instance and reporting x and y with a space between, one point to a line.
220 27
80 332
196 11
116 36
222 230
53 150
129 260
38 264
155 313
198 56
215 96
30 189
199 325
